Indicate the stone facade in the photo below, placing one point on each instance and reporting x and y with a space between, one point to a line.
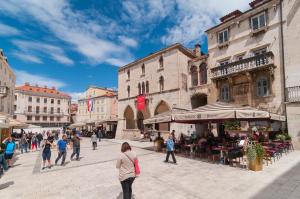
104 105
291 41
163 78
244 58
7 86
42 106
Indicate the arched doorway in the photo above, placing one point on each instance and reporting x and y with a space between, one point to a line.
161 108
129 117
198 99
141 115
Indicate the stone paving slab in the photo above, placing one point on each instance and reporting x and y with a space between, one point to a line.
95 176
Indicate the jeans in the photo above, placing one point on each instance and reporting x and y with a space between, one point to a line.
127 188
62 154
76 150
173 156
24 148
3 161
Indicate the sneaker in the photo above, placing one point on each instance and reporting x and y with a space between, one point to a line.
43 168
165 161
49 167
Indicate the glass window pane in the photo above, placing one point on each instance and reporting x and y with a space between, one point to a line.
262 20
254 23
220 37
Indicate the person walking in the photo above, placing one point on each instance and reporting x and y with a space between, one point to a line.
46 154
76 146
62 150
10 147
94 140
125 164
33 142
39 137
170 149
23 143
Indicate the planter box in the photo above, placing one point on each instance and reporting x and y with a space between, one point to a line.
256 165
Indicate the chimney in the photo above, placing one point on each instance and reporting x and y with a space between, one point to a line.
197 50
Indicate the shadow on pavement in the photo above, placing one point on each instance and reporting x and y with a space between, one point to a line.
120 196
285 186
5 185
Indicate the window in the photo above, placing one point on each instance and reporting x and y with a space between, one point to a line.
37 109
147 87
128 91
161 62
45 109
260 51
52 110
15 117
52 101
128 75
29 118
51 118
239 57
58 110
16 97
203 74
161 83
38 100
58 101
29 99
139 88
143 88
37 118
44 118
45 100
15 107
194 76
225 93
101 109
29 108
262 87
258 21
143 69
223 36
58 119
224 62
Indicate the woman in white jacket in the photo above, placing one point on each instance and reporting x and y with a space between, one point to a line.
125 164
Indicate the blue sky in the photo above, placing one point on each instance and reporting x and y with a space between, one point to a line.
76 43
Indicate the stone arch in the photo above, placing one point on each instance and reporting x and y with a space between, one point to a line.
162 107
141 116
198 99
129 118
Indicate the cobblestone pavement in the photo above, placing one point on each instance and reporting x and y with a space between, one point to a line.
95 176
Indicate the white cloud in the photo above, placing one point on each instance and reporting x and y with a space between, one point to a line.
55 53
85 35
194 17
76 95
6 30
41 80
128 41
27 57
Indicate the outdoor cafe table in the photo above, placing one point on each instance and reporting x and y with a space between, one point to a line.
222 150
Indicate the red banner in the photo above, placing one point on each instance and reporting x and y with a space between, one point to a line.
141 102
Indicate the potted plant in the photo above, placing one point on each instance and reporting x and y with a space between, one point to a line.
255 154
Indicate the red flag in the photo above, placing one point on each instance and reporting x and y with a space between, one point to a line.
141 102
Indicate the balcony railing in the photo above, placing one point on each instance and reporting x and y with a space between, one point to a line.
248 64
293 94
43 113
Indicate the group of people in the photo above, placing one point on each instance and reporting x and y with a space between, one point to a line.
30 141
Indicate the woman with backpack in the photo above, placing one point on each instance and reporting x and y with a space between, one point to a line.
127 165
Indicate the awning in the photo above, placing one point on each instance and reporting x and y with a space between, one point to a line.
31 126
164 117
16 124
224 111
78 124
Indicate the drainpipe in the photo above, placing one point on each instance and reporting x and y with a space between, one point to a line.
283 60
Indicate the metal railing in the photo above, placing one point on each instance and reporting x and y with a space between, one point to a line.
293 94
243 65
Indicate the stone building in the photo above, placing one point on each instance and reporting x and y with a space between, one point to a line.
245 61
103 104
42 106
7 86
291 44
163 79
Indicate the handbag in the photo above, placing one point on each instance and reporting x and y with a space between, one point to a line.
136 165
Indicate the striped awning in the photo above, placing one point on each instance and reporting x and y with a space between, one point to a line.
221 111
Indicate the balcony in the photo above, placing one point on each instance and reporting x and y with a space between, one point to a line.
248 64
293 94
43 113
